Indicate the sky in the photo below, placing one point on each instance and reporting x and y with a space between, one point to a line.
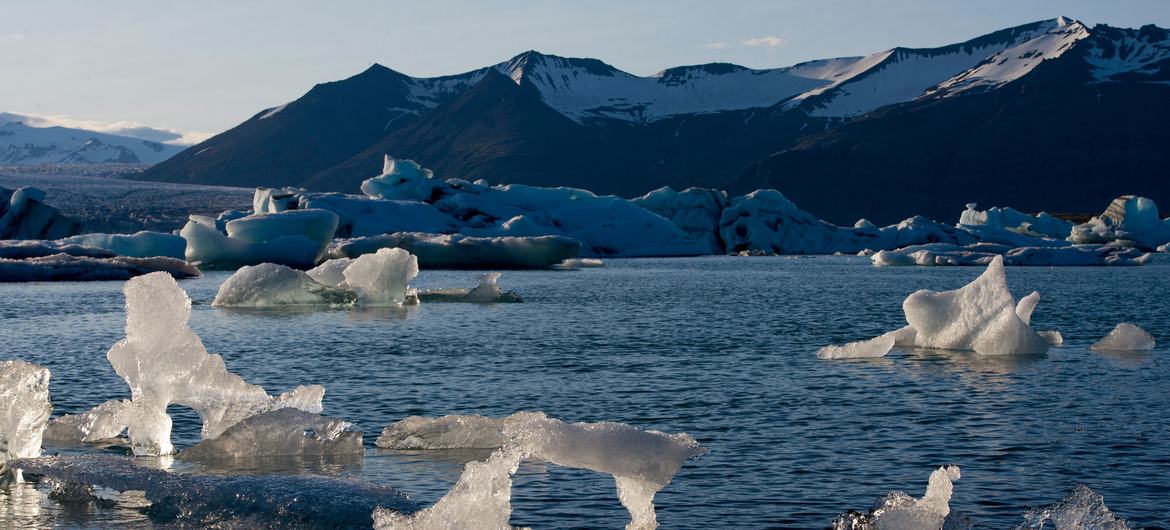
193 69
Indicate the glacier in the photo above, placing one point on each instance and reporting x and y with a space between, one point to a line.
899 511
1125 337
641 462
24 412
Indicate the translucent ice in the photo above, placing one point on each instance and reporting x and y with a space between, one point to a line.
455 431
876 347
24 411
899 511
1053 337
164 362
284 432
102 422
981 316
272 285
1082 509
296 238
1125 337
380 279
330 272
487 292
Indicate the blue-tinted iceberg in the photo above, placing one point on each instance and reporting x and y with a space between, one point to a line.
982 254
66 267
696 211
1040 225
1130 219
456 251
144 244
24 215
296 238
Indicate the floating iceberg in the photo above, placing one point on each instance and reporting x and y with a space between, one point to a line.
981 254
899 511
103 422
64 267
402 179
980 316
580 263
24 215
24 412
641 462
876 347
32 248
454 251
696 211
1128 218
164 362
1080 510
380 279
272 285
1125 337
295 238
1053 337
142 244
1040 225
231 501
284 432
358 215
487 292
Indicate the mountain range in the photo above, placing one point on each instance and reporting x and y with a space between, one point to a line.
1049 115
23 144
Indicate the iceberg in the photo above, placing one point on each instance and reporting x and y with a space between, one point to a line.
455 251
143 244
580 263
103 422
24 215
24 412
65 267
899 511
358 216
1128 218
641 462
330 272
981 254
380 279
217 500
876 347
1040 225
981 316
1125 337
403 180
32 248
696 211
296 238
1081 509
164 362
487 292
272 285
1053 337
286 432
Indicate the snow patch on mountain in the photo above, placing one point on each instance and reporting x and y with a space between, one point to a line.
22 144
1016 61
1120 54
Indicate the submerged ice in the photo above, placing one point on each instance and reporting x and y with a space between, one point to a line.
24 411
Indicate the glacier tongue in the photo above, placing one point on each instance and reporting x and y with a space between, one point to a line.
24 412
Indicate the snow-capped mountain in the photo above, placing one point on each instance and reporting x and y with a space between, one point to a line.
551 120
22 144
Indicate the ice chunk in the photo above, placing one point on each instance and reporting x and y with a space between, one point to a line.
1042 224
331 271
380 279
24 215
164 362
1026 306
286 432
580 263
899 511
765 220
296 238
143 244
487 292
1125 337
980 316
216 500
402 179
876 347
1128 218
981 254
271 285
641 462
438 251
102 422
1053 337
24 412
64 267
24 249
455 431
695 211
1083 509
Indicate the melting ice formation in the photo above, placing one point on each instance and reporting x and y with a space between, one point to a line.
1128 218
899 511
983 253
641 462
280 433
294 238
487 292
1125 337
981 316
1081 509
24 411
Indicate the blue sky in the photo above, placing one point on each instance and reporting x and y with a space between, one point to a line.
205 66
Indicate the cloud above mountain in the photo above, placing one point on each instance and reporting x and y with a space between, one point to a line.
121 128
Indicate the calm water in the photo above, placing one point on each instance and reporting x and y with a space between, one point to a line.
722 348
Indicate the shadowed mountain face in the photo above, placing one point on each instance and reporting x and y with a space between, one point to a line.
1012 117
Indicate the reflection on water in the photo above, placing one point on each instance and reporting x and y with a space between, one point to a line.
1125 359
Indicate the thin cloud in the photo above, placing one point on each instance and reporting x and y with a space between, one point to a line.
121 128
10 37
717 45
770 41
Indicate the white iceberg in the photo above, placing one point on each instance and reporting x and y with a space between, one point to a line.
1125 337
381 278
981 316
455 251
876 347
164 362
1083 509
24 412
358 215
272 285
1052 336
24 215
65 267
899 511
402 179
487 292
641 462
1128 218
296 238
286 432
981 254
143 244
330 272
696 211
1041 224
580 263
32 248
